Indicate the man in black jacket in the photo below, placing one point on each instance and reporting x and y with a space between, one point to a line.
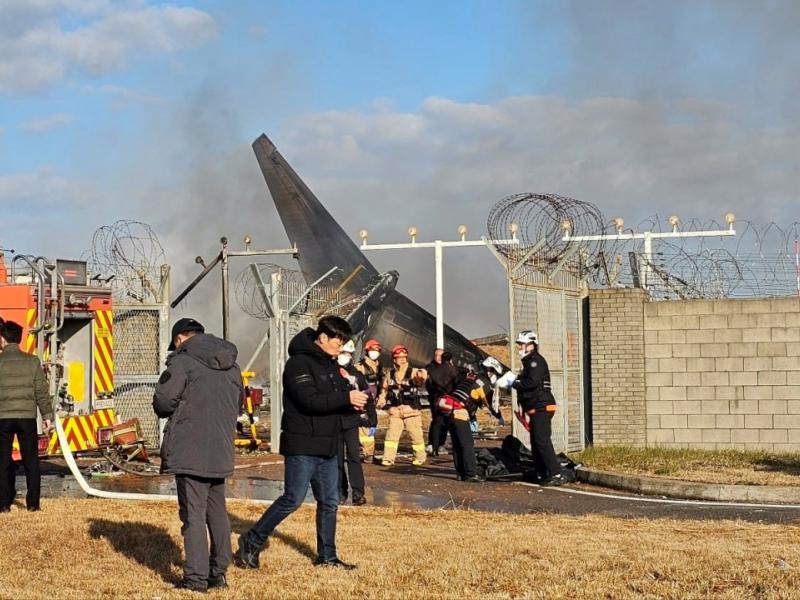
535 396
199 393
442 379
315 398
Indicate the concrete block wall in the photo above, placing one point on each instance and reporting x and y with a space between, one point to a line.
723 373
619 411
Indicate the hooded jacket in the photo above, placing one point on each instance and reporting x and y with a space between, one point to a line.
316 398
199 394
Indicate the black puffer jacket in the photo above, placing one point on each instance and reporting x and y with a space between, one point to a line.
199 393
315 399
533 384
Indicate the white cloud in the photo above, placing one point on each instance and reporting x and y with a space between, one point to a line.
32 191
48 123
40 45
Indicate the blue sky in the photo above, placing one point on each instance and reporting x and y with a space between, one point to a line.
146 109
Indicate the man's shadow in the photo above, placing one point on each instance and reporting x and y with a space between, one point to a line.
240 526
147 544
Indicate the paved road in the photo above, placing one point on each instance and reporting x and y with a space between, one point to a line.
434 486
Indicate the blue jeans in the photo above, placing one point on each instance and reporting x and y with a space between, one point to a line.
299 472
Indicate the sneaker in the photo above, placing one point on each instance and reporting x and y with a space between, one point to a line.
342 500
359 500
247 555
553 481
474 479
387 463
429 450
418 462
192 586
334 562
442 451
217 582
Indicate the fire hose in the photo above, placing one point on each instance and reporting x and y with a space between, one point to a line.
90 491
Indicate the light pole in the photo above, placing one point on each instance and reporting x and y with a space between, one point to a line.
647 236
438 257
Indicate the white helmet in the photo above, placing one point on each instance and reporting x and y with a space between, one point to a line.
527 336
350 347
490 362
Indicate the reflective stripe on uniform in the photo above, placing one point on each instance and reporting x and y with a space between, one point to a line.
390 444
418 447
366 439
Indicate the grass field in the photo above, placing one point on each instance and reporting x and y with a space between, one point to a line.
109 549
711 466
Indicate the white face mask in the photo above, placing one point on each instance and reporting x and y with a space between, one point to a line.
373 354
523 353
343 359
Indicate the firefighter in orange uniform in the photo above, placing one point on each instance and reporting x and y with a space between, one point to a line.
400 393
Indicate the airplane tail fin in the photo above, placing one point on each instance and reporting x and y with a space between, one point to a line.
322 242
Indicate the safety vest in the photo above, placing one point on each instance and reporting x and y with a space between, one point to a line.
400 393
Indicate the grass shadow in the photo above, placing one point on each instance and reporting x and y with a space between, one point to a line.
241 526
147 544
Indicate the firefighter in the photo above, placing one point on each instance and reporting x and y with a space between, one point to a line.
400 392
459 407
535 396
348 441
372 369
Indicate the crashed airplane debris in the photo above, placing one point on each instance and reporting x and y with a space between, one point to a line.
383 313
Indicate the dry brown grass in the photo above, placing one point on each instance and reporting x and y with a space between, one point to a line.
109 549
708 466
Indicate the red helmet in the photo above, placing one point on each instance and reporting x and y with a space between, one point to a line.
372 345
398 350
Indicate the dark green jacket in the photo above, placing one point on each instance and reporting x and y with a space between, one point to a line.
23 386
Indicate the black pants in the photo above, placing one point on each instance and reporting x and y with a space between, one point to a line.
437 433
201 506
28 437
350 453
463 448
544 456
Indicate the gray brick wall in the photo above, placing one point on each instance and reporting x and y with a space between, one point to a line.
695 373
723 373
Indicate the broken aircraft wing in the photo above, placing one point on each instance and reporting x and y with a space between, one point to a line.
323 244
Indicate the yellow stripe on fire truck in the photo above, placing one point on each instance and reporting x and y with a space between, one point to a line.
81 431
30 341
103 352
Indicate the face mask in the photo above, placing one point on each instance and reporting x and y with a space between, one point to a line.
373 354
523 353
343 359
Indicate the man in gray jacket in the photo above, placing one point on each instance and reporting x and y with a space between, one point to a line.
23 389
200 393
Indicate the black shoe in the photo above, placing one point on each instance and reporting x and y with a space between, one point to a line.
246 557
34 508
359 500
191 586
553 481
218 582
474 479
342 500
5 509
334 562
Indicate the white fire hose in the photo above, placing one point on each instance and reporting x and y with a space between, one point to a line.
90 491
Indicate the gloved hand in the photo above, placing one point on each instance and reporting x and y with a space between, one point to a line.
507 380
371 432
